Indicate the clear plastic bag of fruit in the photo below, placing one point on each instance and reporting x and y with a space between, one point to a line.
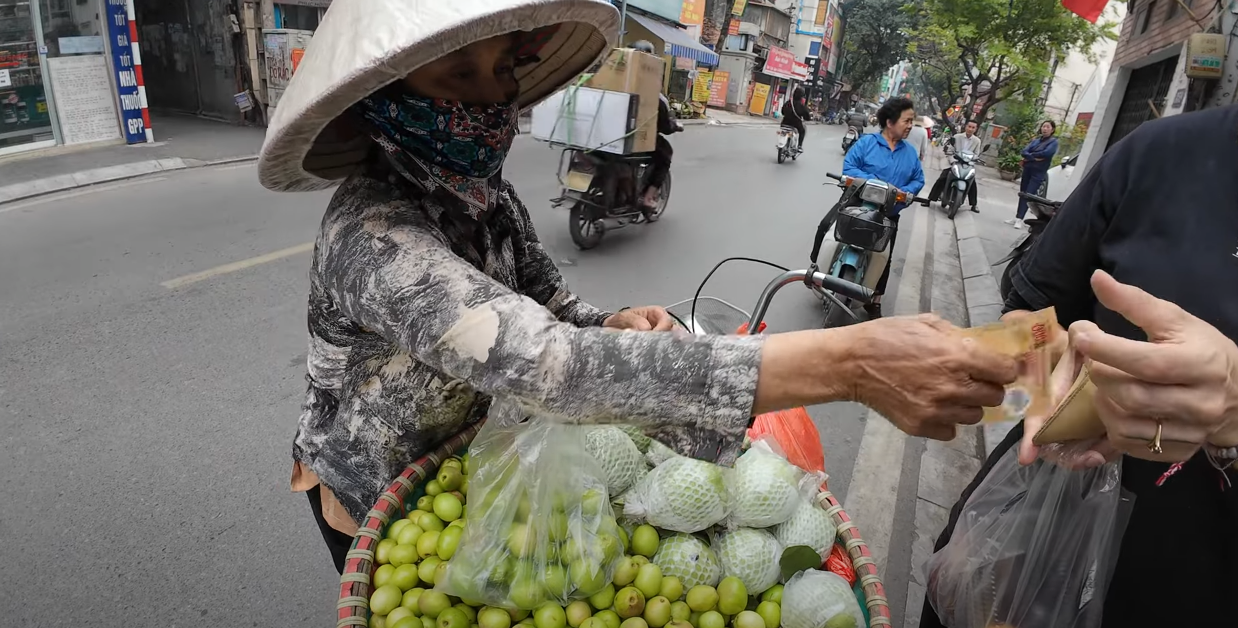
539 527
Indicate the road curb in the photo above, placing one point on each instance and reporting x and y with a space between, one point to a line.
717 122
983 300
96 176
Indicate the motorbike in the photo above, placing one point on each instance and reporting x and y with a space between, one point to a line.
849 138
1043 210
959 181
603 191
788 143
862 228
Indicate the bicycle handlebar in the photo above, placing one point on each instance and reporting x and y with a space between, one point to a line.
822 280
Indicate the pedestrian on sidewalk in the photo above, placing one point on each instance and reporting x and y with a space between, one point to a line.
887 156
1161 348
966 142
1037 158
433 304
919 139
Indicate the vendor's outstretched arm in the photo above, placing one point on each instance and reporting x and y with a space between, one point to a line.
399 280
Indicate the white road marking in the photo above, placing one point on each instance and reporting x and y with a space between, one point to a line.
90 189
873 493
210 273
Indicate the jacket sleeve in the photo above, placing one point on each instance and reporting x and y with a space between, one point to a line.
1057 271
666 125
917 180
540 279
853 163
402 282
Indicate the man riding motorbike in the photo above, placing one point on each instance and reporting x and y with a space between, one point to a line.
887 156
966 142
794 112
663 153
857 121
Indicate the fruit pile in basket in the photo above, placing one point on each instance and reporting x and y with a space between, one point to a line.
635 537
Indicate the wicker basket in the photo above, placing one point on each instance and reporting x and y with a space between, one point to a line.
353 609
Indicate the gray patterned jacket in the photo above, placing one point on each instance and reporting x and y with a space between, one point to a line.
421 311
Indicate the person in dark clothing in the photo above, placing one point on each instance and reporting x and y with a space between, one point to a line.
663 153
857 121
1163 356
1037 158
794 112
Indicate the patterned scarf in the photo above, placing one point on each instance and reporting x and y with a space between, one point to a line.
442 144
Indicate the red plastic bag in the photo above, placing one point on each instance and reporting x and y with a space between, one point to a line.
795 433
839 563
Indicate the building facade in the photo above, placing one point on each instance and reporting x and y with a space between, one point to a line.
70 73
1149 78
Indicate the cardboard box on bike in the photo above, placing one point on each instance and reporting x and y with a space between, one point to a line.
593 120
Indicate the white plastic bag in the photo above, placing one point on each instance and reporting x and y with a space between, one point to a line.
1034 547
817 599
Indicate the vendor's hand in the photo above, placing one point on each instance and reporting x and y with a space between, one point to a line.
1185 376
646 318
926 378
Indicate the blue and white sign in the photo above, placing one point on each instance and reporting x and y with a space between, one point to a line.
126 78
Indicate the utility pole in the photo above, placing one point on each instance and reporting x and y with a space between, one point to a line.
623 21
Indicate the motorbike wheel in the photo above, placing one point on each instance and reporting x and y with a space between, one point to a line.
664 199
782 155
585 233
956 200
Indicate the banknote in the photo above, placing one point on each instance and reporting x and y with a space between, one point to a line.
1028 340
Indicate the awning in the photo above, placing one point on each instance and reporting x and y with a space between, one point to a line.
678 43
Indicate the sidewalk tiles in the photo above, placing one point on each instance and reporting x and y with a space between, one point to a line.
181 142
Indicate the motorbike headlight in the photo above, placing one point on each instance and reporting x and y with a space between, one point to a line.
874 194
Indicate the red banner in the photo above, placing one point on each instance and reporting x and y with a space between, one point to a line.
780 63
1089 10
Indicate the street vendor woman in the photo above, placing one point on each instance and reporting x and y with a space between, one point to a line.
433 304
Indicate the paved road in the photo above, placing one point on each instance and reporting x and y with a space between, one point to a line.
146 429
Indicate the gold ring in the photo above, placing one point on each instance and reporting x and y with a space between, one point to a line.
1154 445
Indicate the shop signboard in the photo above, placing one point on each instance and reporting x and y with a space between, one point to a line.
808 20
700 88
692 13
84 99
760 98
718 88
738 7
665 9
132 124
780 62
829 23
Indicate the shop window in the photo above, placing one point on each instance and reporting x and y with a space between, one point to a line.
297 17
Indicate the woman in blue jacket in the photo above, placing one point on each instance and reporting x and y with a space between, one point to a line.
1037 158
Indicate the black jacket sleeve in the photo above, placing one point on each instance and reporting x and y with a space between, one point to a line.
666 125
1057 271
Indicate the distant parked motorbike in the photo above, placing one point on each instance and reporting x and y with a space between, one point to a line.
849 138
959 181
862 227
788 143
603 192
1043 210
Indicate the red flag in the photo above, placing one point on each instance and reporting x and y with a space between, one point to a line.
1089 10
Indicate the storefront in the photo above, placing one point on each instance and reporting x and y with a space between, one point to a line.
69 74
684 54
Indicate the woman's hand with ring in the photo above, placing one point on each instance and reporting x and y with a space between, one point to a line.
1185 378
645 318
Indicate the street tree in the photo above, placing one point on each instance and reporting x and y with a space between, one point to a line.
996 49
875 37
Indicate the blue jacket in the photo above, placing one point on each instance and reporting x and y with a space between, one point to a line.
871 158
1039 154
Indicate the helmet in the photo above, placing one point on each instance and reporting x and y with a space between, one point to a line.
643 46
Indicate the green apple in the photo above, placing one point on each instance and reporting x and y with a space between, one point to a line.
405 577
432 603
385 599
